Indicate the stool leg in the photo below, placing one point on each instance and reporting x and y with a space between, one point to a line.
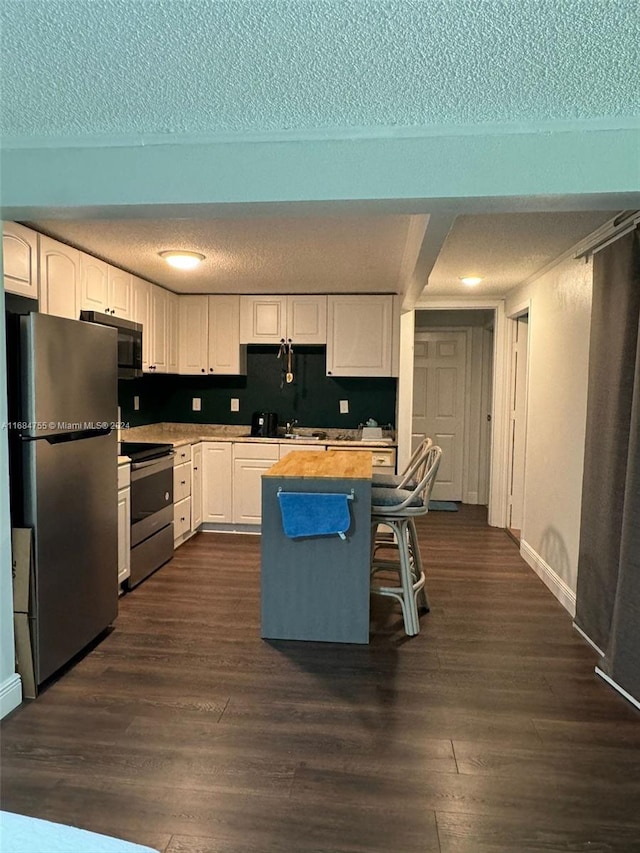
410 610
421 593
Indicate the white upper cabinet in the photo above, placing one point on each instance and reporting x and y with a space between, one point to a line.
20 259
59 292
210 336
173 332
263 319
359 336
105 288
159 337
141 313
307 319
225 355
194 334
269 319
119 293
94 284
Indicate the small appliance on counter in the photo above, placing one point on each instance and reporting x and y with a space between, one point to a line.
264 424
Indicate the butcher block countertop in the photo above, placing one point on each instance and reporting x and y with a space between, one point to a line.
334 464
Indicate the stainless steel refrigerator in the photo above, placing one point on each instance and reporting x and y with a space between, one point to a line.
67 438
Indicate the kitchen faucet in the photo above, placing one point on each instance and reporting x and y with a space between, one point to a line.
291 424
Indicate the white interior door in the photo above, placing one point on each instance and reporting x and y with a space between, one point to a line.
518 411
439 404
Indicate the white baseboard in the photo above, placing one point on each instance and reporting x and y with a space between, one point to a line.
589 640
471 498
10 694
561 590
617 687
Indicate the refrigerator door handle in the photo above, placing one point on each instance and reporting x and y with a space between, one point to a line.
74 435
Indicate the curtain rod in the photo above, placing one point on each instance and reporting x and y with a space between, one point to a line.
626 222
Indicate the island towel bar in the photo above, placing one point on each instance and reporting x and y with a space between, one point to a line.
315 513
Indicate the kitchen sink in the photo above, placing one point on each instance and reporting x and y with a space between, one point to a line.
297 436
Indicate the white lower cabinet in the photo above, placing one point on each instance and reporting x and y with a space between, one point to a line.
182 495
181 521
217 471
250 461
295 445
196 487
124 523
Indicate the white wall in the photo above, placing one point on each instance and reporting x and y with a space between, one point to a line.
10 686
560 316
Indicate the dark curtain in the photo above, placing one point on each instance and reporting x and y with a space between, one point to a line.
608 594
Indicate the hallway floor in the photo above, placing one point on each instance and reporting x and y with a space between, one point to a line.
486 733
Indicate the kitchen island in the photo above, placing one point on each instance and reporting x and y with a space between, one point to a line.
316 587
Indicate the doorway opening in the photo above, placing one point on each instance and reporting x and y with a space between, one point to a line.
452 398
519 335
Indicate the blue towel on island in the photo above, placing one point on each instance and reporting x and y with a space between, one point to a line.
314 514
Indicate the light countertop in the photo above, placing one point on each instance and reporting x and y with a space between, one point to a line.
181 434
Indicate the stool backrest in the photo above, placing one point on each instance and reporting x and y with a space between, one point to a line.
416 467
421 490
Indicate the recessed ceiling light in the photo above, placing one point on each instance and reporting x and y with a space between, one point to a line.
182 260
470 279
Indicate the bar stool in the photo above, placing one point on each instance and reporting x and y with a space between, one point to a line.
397 509
413 471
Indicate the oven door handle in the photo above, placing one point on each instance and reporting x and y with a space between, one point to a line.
152 466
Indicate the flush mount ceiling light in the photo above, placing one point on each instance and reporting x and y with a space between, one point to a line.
182 260
470 280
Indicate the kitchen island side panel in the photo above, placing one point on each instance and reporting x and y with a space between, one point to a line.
316 588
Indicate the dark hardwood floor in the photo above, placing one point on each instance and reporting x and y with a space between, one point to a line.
487 733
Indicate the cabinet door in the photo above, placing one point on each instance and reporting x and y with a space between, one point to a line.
141 313
181 481
20 259
359 335
181 520
194 334
124 534
158 347
173 332
225 355
216 482
307 319
94 284
262 319
250 461
196 487
119 292
292 445
59 279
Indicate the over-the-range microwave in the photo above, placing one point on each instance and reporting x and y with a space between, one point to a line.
129 342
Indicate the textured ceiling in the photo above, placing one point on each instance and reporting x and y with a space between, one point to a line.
339 254
505 249
122 69
252 255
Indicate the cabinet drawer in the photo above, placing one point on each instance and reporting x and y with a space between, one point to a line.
256 450
182 454
181 481
384 458
181 518
124 475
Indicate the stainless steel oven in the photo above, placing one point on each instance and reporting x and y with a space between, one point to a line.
151 507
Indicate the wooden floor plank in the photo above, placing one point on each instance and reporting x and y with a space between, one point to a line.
487 733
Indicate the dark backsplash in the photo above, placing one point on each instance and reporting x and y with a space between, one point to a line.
313 397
